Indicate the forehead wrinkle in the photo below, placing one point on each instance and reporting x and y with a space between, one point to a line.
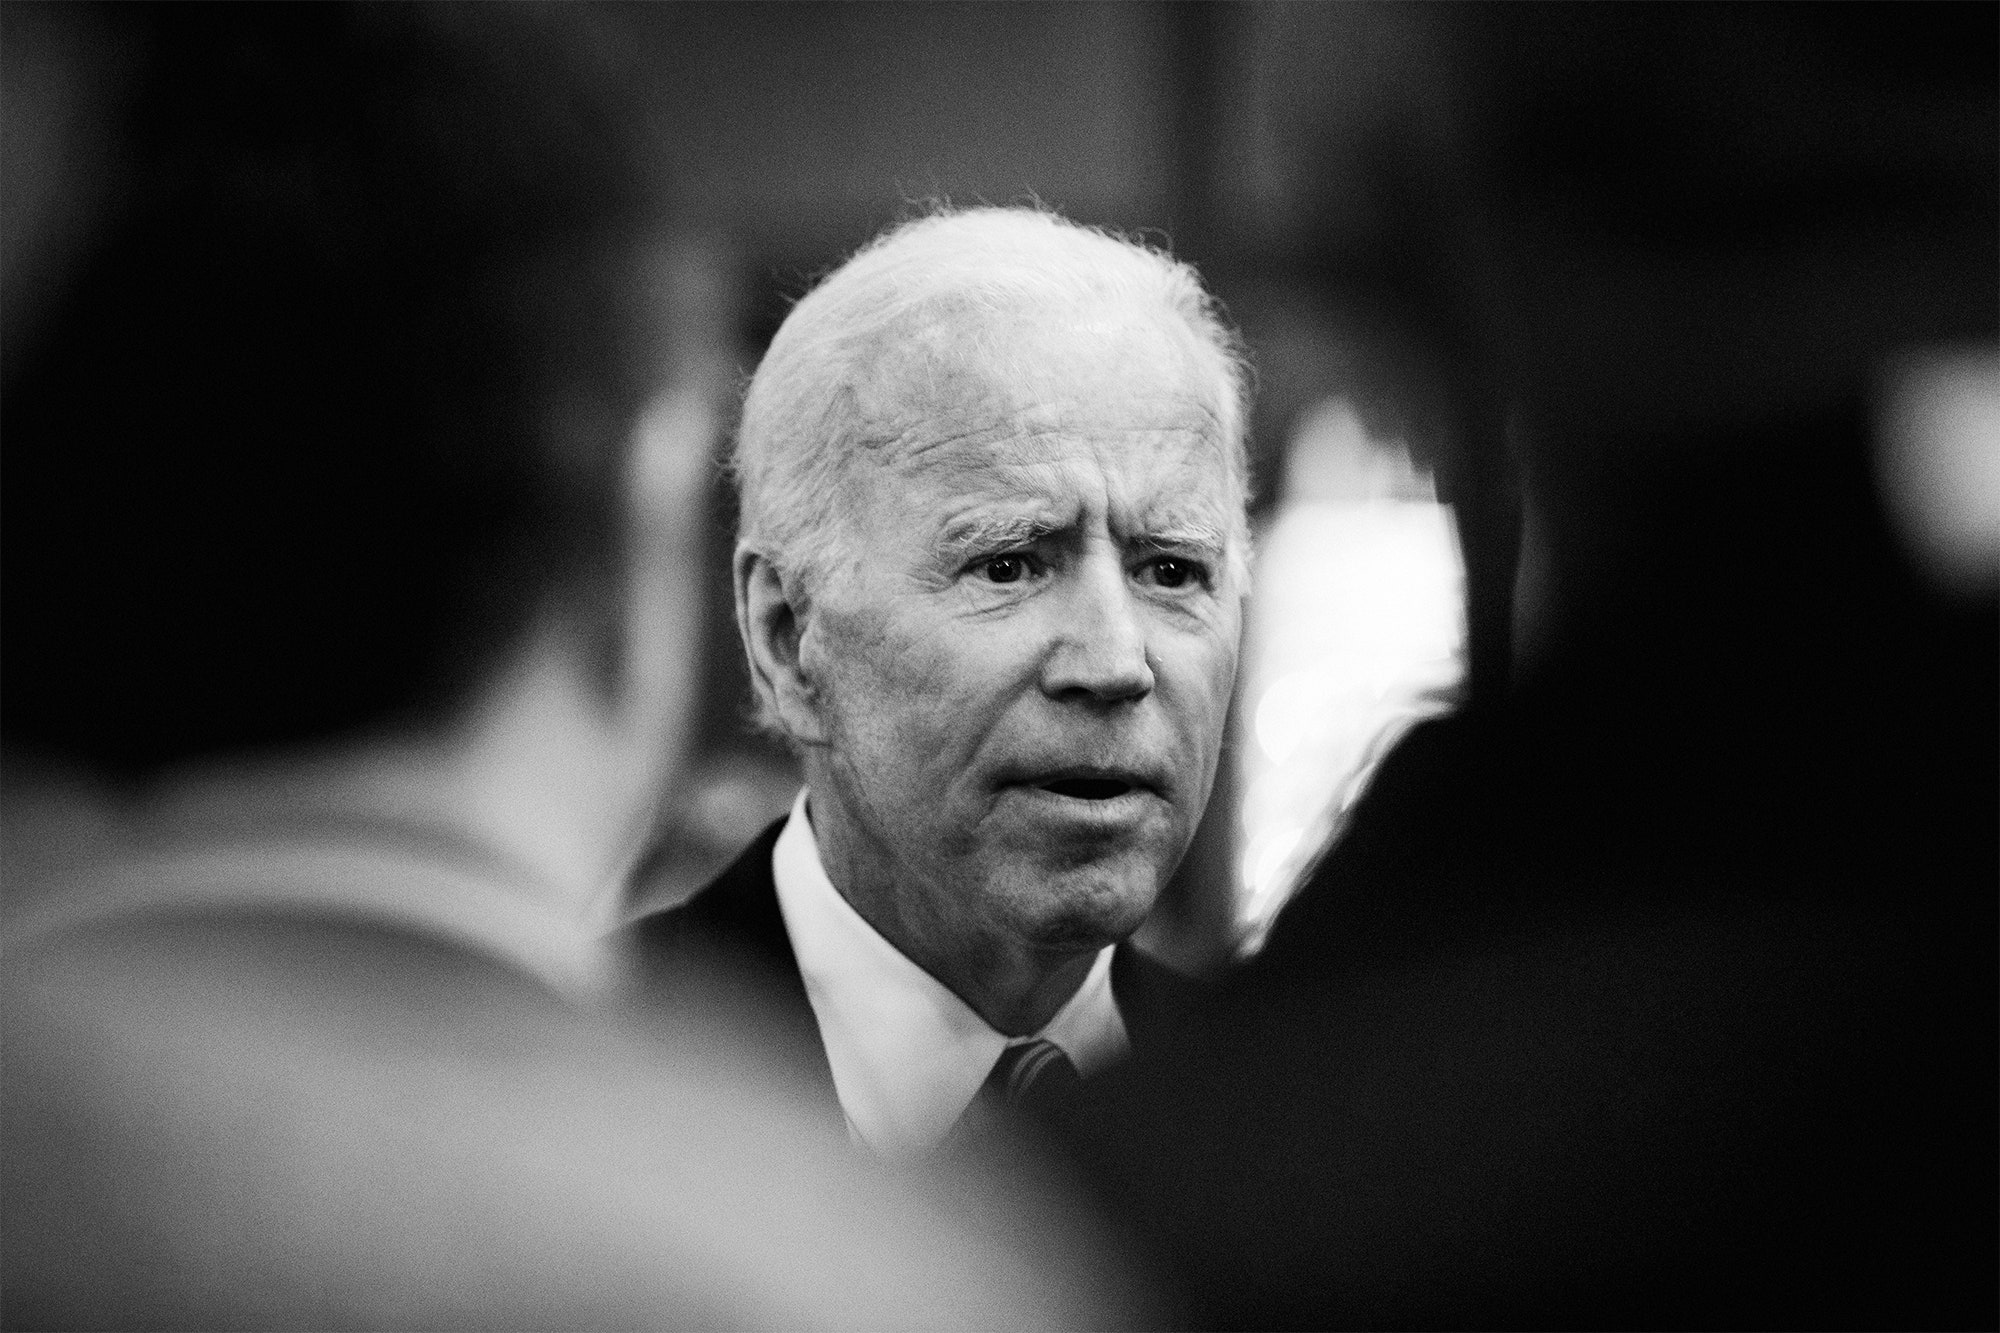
1170 515
1068 470
1025 514
911 445
919 437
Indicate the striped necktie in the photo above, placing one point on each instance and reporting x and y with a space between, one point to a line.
1031 1072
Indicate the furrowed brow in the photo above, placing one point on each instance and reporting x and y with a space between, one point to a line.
1194 535
972 536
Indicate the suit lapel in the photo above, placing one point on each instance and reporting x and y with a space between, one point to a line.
739 908
731 936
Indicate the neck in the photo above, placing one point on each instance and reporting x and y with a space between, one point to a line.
1015 987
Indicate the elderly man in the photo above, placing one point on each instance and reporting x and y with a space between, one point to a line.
989 581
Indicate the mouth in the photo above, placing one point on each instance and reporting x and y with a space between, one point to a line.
1088 789
1091 784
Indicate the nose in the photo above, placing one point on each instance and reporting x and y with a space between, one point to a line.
1098 653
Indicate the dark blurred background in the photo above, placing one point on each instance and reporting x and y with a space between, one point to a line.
1618 714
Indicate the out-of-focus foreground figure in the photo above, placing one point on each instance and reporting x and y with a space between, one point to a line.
1657 988
344 631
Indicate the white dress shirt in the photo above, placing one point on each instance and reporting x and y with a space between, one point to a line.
908 1055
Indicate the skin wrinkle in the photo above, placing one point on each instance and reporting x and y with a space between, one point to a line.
1200 538
944 338
924 683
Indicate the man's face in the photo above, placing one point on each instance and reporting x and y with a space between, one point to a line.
1022 674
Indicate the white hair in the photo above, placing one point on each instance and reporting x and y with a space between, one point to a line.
806 413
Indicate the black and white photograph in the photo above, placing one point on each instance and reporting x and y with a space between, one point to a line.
990 664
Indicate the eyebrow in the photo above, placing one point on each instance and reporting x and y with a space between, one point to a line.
974 535
969 536
1184 535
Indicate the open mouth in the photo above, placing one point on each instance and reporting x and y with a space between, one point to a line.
1089 789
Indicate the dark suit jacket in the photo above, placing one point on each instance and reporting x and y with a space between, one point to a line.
727 947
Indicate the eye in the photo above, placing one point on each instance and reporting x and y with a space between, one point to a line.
1004 568
1172 571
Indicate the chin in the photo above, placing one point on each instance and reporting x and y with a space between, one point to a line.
1089 915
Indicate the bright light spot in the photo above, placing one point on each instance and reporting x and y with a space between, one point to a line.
1284 711
1357 632
1266 858
1938 460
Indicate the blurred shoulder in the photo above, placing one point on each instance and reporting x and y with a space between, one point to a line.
298 1124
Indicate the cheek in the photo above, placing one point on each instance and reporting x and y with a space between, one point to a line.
888 686
1202 677
1204 667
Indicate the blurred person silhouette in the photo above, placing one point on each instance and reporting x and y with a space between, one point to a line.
345 628
989 579
1657 988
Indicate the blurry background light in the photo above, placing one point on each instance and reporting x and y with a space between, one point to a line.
1356 632
1938 461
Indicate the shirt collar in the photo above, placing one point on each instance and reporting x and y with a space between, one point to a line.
411 880
907 1053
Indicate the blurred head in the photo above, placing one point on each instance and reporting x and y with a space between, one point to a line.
331 399
1682 235
991 568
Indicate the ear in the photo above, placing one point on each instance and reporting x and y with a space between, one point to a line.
771 619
